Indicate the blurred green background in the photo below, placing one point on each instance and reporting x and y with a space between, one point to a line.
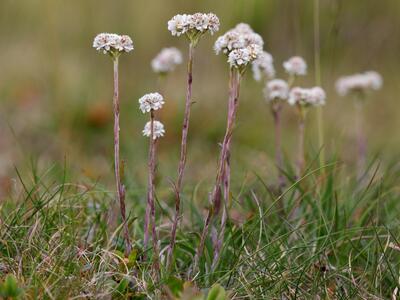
56 90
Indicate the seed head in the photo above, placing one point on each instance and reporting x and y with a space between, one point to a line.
152 101
276 89
295 65
158 130
166 60
112 44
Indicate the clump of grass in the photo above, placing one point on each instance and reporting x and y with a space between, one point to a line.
342 242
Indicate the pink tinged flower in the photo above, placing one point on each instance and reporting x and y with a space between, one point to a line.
276 89
198 22
243 56
307 97
263 66
111 43
152 101
166 60
239 37
295 65
362 82
158 130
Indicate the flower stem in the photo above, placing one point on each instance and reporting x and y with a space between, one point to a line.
183 155
361 139
221 174
276 109
301 129
317 67
151 195
120 186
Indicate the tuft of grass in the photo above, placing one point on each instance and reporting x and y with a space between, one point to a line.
338 238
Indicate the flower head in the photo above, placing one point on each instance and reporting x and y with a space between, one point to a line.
112 44
361 83
158 129
276 89
193 25
240 58
152 101
241 36
263 65
295 65
166 60
307 97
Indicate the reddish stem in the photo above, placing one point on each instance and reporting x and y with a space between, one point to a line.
301 129
182 161
120 186
216 194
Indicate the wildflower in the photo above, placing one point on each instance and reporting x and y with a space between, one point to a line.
152 101
239 37
306 97
158 129
295 65
241 57
361 83
276 89
193 25
113 44
263 65
166 60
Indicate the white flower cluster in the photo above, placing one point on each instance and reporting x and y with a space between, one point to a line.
307 97
295 65
243 56
362 82
192 24
111 43
241 44
263 65
152 101
276 89
239 37
166 60
158 129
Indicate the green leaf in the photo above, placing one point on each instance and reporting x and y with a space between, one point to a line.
217 292
9 288
175 285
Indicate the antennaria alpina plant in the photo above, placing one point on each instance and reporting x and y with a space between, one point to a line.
303 99
114 45
242 46
193 27
358 86
276 92
149 103
165 62
295 66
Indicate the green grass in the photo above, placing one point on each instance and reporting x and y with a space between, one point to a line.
337 239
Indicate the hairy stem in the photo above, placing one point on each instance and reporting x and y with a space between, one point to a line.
276 109
300 149
317 68
216 194
361 138
182 160
120 186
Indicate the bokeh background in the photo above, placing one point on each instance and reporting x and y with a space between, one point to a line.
56 90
